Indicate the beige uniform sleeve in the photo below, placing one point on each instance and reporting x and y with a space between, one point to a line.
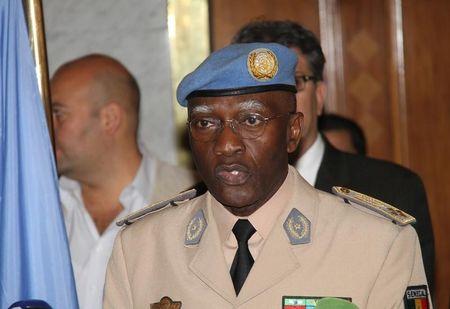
117 292
402 268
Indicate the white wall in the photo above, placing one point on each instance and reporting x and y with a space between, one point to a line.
132 31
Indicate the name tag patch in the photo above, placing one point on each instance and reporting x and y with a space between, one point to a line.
416 297
304 302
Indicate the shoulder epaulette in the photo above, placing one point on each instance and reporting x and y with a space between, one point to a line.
171 202
396 215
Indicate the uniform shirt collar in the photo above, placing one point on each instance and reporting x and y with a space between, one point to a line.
309 163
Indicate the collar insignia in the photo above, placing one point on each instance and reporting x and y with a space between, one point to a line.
262 64
195 229
297 228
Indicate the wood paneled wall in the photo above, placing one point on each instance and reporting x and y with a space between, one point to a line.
388 67
226 17
426 27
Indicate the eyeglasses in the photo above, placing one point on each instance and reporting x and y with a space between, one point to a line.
301 81
247 126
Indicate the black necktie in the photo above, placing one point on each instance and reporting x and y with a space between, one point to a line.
243 260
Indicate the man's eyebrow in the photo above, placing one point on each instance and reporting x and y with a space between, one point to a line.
201 109
249 104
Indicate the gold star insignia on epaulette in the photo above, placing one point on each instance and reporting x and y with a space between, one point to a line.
396 215
262 64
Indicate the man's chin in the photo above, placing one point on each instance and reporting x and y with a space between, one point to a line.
61 169
60 172
243 211
238 202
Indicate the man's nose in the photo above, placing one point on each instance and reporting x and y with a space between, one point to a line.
228 141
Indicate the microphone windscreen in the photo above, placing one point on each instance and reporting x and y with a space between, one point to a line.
30 304
334 303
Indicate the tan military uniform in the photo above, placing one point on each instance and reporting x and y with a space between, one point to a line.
351 253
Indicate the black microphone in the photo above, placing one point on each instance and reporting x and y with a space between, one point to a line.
30 304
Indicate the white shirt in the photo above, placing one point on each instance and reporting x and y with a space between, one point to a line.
90 251
309 163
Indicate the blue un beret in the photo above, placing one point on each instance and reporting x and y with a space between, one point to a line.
241 69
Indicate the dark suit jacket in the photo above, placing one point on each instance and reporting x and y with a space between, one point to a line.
385 181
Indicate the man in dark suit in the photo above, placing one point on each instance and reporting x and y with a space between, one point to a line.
343 133
318 161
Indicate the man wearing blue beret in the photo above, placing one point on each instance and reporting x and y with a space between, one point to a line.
261 235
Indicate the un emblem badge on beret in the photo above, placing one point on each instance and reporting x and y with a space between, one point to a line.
262 64
297 228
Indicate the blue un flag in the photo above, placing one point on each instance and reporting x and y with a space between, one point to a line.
34 254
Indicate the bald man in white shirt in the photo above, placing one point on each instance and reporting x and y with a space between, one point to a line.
104 173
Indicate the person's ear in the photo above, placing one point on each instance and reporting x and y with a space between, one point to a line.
111 115
294 133
321 94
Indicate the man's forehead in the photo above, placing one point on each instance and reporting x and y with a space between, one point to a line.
200 105
69 84
73 91
303 65
70 80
